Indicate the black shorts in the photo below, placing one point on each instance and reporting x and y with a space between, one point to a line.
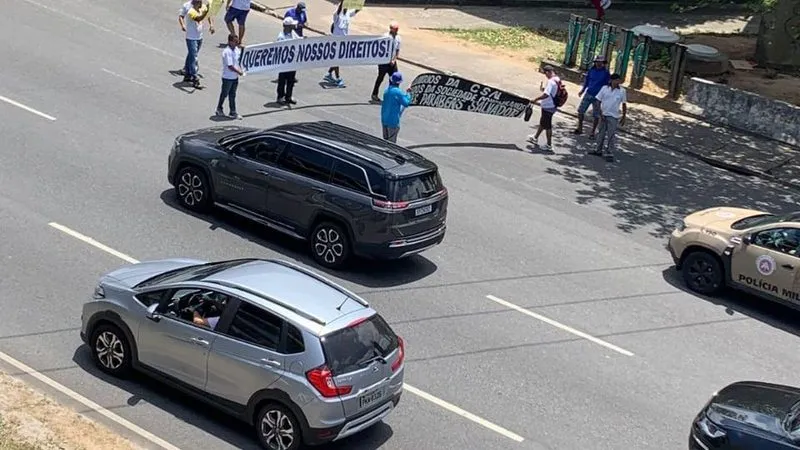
546 121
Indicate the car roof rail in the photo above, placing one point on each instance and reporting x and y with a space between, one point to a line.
320 278
269 299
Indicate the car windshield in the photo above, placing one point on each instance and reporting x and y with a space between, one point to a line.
764 219
349 349
191 273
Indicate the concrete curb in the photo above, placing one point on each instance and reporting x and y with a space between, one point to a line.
688 152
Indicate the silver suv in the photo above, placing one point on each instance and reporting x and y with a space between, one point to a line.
298 357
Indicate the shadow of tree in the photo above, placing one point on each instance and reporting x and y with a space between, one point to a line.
652 189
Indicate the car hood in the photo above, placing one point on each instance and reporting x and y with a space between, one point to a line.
214 134
136 273
720 218
754 405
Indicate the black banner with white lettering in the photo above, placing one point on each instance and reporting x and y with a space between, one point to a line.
450 92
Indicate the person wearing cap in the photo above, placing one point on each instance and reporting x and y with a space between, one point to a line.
339 27
597 77
298 13
395 101
286 80
548 103
191 34
197 13
391 67
612 99
237 10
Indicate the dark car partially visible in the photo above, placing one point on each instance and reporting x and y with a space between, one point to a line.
749 415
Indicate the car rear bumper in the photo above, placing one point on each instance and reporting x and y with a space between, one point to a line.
353 426
401 248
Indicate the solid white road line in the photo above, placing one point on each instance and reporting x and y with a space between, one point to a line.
122 77
88 403
26 108
424 395
455 409
559 325
92 242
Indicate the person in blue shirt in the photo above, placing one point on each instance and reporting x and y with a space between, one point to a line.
597 77
395 101
298 13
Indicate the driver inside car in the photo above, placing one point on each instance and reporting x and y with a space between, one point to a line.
208 312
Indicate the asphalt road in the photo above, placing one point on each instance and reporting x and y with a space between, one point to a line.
615 355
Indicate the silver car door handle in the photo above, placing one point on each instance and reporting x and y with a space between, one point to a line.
270 362
263 172
200 341
318 189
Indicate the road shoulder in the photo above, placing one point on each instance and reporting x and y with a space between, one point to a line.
30 420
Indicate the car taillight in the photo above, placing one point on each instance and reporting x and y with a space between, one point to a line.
322 380
401 354
385 204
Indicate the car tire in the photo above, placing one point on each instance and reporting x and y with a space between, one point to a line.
330 245
276 422
192 189
111 350
703 273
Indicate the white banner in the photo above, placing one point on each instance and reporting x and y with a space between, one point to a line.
316 52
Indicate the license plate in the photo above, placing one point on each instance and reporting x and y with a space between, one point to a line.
424 210
369 399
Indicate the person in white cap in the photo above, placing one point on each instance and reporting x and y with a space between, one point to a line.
286 80
391 67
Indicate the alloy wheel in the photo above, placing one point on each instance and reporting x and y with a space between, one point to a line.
277 429
328 245
191 189
701 274
110 351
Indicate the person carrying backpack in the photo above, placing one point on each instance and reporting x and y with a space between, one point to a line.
554 95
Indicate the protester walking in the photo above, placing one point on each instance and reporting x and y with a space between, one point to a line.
237 10
230 76
339 27
548 102
391 67
286 80
613 99
395 101
196 12
299 14
597 77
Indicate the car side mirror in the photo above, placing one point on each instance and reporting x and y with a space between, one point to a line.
152 314
747 239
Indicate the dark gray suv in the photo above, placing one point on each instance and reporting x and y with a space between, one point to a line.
344 191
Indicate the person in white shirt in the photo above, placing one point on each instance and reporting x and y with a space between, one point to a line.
286 80
230 76
548 103
339 27
237 10
391 67
196 12
612 99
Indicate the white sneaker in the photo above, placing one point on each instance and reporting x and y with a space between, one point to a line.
546 148
532 139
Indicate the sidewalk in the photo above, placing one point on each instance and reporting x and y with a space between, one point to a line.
426 48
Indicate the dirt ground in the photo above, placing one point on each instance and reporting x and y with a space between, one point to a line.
535 45
31 421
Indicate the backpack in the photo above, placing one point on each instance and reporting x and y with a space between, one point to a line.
561 95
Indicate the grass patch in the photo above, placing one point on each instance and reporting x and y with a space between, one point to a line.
537 43
8 443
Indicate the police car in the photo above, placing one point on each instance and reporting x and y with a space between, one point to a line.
745 249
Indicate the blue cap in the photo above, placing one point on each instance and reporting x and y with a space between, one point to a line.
396 78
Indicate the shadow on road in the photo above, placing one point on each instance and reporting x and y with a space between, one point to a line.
650 188
735 302
494 145
207 420
277 107
371 274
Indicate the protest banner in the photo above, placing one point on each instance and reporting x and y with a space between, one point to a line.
317 52
450 92
352 5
